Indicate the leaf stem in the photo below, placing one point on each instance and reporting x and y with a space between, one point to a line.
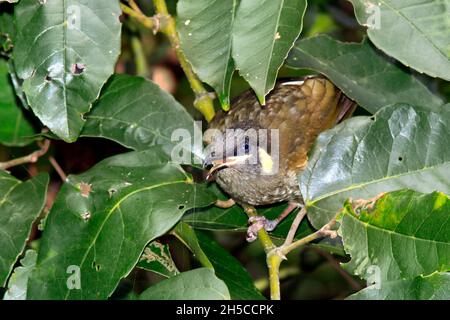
165 23
203 101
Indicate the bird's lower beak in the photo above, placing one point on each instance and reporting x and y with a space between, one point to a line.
229 162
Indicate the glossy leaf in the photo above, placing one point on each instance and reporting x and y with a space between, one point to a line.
398 235
65 51
157 258
197 284
433 287
263 33
15 130
399 147
423 24
20 204
229 269
188 237
107 216
138 114
205 28
212 255
362 73
17 284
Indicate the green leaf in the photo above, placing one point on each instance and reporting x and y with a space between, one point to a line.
235 219
20 204
188 237
399 147
211 255
7 31
65 51
229 269
157 258
263 33
17 284
400 235
433 287
198 284
205 27
14 128
107 216
424 25
138 114
362 73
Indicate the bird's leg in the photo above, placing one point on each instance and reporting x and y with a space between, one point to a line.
225 204
259 222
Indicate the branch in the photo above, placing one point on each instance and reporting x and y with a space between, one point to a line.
151 23
323 232
273 260
31 158
295 224
165 23
57 168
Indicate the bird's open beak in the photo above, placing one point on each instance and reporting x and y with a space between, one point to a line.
229 162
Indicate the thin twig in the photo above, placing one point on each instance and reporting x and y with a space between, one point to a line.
57 168
335 264
323 232
31 158
151 23
294 227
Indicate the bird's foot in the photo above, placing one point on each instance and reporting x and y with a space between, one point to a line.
257 223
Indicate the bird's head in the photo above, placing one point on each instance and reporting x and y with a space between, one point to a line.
241 150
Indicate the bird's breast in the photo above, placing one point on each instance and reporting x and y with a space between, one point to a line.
258 190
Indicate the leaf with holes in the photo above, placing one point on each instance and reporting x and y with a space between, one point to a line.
207 45
107 216
65 51
20 204
398 235
157 258
375 83
17 284
138 114
399 147
15 130
263 33
423 24
197 284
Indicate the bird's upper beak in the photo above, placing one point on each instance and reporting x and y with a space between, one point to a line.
218 164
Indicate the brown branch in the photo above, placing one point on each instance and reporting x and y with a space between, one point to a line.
294 227
57 168
31 158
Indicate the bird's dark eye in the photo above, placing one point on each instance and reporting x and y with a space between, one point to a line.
246 145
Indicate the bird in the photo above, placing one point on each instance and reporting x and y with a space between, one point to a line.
256 151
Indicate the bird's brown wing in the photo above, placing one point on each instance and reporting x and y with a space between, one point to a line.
300 110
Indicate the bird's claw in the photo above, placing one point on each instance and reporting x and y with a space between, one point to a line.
257 223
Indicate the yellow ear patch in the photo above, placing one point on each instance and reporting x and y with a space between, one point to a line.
266 160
